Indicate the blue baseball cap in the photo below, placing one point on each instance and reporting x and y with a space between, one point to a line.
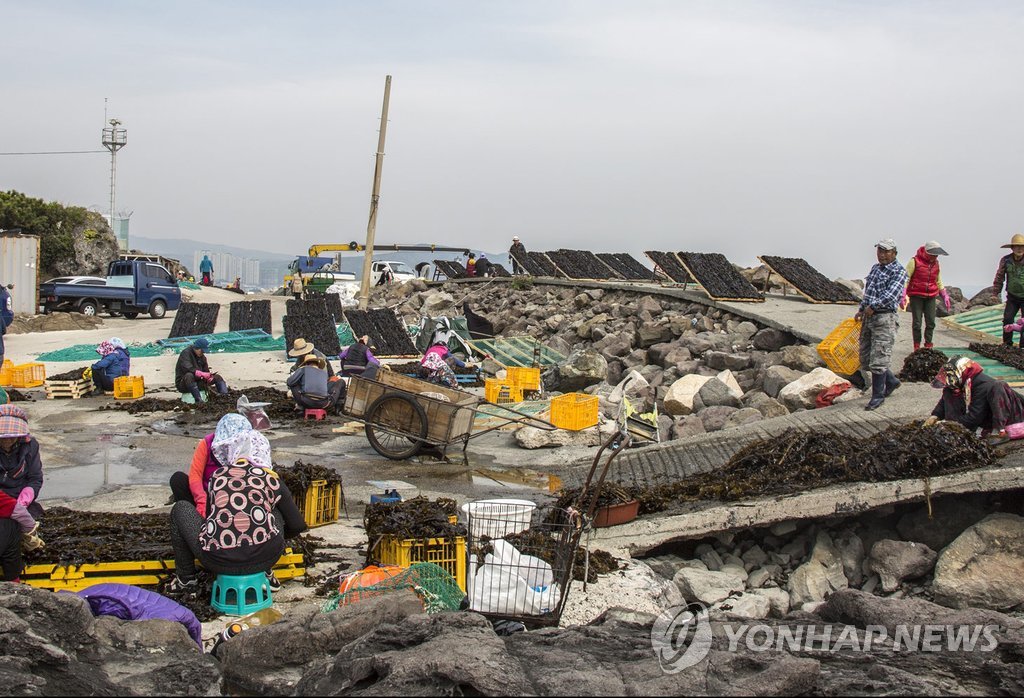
201 343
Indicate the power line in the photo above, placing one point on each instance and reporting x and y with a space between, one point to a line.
56 152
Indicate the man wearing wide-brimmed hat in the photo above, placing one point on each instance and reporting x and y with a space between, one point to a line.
1011 269
882 292
301 348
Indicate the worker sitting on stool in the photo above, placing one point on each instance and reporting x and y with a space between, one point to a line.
300 348
192 372
311 388
358 359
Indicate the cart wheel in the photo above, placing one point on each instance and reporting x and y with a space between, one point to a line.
394 413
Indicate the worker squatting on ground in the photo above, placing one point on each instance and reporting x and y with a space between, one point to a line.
882 292
1011 270
313 389
301 349
518 249
250 513
357 359
21 479
976 400
436 365
115 361
192 372
924 287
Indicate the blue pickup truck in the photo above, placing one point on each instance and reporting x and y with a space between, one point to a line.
133 287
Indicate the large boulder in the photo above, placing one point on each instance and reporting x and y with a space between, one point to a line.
437 303
533 437
721 360
715 393
778 377
706 586
896 560
679 398
984 566
819 576
804 390
771 339
744 415
768 407
582 368
938 525
801 357
685 426
715 418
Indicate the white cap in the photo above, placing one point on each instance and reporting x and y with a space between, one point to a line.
886 244
932 247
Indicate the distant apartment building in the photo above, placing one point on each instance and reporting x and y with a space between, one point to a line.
228 266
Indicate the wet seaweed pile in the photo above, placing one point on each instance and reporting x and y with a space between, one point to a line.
611 494
80 537
922 365
1004 354
411 368
197 601
281 406
797 461
300 476
413 518
15 395
74 375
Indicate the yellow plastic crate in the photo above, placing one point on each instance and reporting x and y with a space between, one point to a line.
840 350
5 372
129 387
448 553
30 375
574 411
502 392
321 504
525 378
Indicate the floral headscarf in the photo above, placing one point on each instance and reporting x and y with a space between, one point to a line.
251 447
105 347
229 427
958 374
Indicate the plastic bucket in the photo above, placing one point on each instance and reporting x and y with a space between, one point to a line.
497 518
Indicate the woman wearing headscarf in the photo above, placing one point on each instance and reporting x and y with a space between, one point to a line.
114 362
974 399
250 513
435 367
191 488
21 478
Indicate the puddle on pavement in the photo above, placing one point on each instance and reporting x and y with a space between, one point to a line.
515 479
84 480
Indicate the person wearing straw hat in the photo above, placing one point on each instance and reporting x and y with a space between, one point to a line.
1011 271
301 349
924 287
882 292
312 389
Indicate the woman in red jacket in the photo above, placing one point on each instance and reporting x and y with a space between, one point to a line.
924 286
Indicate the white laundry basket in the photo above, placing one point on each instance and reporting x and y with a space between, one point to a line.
497 518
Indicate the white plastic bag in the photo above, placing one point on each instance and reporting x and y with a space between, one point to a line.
512 583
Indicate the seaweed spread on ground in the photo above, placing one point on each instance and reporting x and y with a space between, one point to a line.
73 375
300 476
797 461
412 368
922 365
610 494
281 407
15 395
1003 353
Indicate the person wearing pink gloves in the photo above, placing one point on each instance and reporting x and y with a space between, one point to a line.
192 371
21 478
924 287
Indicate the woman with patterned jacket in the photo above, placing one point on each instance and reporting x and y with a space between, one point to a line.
250 513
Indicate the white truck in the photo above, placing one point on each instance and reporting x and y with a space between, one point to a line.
394 272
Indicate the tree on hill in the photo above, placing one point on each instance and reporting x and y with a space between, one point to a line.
72 240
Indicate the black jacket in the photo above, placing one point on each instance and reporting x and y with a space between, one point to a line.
994 404
188 362
21 468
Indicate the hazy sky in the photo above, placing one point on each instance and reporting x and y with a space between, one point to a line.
795 128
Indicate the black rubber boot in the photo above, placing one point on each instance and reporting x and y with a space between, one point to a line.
877 391
891 383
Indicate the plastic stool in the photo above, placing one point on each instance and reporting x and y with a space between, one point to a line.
316 414
240 595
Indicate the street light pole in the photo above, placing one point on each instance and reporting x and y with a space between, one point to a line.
371 226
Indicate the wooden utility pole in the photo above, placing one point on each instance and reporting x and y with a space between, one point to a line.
371 226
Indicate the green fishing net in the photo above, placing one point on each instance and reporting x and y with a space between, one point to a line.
435 587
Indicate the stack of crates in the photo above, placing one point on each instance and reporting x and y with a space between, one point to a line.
526 379
840 350
574 411
129 387
30 375
322 503
502 392
448 553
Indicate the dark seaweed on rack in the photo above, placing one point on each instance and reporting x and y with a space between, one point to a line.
625 266
452 270
528 264
544 265
670 266
579 264
808 280
922 365
499 270
718 276
1004 354
194 319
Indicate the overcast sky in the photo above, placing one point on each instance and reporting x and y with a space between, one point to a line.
796 128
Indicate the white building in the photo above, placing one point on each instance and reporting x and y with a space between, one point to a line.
228 266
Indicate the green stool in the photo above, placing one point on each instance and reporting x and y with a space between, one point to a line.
240 595
189 400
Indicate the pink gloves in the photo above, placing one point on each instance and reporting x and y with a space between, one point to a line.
945 299
203 375
26 496
905 301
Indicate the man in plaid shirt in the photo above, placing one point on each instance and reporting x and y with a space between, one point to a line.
882 293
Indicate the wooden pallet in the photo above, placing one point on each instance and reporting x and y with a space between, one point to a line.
68 389
984 324
143 573
790 284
